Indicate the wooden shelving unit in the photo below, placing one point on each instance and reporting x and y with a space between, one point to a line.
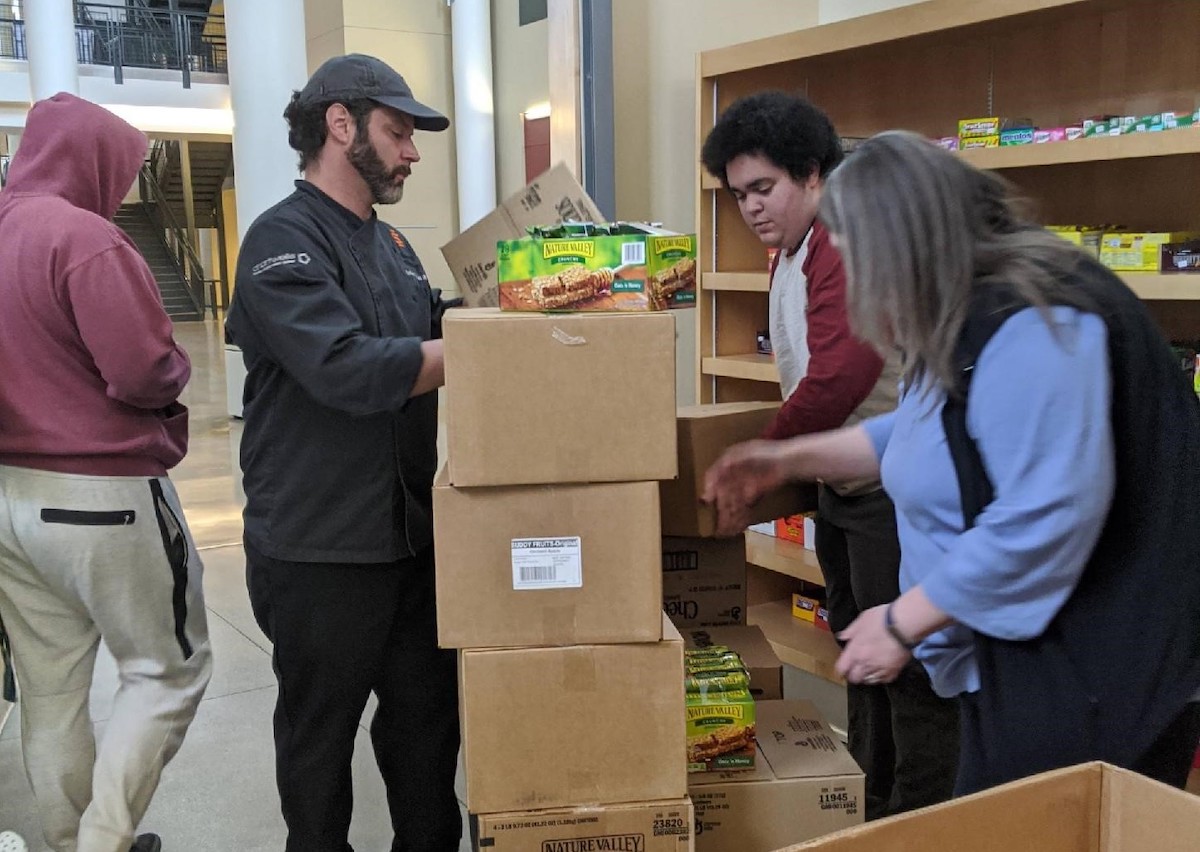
796 642
744 282
783 557
1168 143
923 67
1155 286
752 366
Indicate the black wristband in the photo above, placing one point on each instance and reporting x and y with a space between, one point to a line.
890 625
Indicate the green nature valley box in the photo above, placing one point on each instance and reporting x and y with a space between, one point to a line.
616 266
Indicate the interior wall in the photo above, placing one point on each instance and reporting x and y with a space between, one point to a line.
520 79
414 38
654 89
840 10
654 81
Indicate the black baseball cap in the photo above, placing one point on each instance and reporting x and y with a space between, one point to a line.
357 75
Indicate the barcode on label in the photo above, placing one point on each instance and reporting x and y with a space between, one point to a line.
538 573
634 253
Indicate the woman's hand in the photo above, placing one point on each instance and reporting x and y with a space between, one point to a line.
739 479
872 655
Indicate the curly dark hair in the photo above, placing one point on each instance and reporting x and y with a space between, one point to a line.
785 128
307 128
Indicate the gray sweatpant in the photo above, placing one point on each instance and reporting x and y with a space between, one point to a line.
84 558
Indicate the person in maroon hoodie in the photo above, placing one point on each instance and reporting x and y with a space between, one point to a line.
93 542
772 151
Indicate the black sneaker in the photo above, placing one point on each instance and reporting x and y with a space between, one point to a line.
146 843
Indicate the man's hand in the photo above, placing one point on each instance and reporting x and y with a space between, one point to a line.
739 479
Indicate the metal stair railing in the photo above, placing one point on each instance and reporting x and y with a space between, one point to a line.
136 36
175 238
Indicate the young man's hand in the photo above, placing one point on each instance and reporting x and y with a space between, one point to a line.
739 479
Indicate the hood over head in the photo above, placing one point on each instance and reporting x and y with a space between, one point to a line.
78 151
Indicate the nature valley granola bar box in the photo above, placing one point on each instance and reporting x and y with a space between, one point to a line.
720 711
720 727
614 266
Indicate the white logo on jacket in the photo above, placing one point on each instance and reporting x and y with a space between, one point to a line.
285 259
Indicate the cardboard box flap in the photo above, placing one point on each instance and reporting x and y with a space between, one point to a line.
1054 812
699 412
554 196
750 643
761 771
798 743
1142 815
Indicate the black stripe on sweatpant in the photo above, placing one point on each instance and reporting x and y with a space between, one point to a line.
176 547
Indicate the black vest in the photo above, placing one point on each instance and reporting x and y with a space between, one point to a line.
1122 658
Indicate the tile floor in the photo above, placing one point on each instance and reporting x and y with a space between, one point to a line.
219 792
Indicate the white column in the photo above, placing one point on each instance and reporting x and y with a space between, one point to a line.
267 63
474 118
50 46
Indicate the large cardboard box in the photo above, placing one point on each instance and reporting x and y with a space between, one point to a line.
580 725
704 432
554 196
556 398
547 565
1093 807
805 785
612 266
664 826
704 581
763 666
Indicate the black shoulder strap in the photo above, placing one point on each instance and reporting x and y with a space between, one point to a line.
974 485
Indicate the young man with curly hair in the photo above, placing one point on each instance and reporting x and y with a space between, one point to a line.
772 151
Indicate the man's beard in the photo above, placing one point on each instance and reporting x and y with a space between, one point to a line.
379 178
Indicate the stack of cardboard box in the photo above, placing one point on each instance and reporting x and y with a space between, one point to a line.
548 541
802 782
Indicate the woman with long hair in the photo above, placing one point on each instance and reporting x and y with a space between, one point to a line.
1044 465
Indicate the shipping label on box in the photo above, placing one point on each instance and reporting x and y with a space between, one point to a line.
573 726
704 581
661 826
554 196
535 399
804 785
608 267
547 565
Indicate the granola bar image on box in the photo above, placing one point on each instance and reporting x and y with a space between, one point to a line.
720 728
680 275
570 286
723 740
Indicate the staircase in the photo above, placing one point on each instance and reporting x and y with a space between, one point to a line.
135 221
211 163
